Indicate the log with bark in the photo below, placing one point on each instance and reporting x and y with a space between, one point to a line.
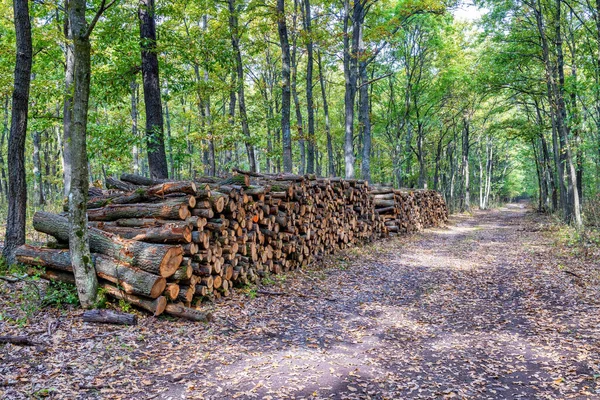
109 317
132 280
162 260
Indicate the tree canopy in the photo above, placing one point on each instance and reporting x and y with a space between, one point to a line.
396 92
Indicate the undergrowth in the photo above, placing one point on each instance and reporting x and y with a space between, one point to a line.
25 295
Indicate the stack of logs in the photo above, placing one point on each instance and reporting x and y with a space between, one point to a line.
166 246
408 210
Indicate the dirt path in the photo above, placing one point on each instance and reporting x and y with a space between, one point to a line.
478 310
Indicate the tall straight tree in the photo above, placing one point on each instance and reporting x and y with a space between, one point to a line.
285 86
294 88
68 102
17 186
310 154
351 77
155 141
83 269
239 68
330 165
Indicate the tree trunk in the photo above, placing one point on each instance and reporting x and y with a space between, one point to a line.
350 78
330 165
285 87
5 132
38 185
239 67
311 148
299 122
134 127
573 209
17 185
68 105
155 143
231 118
364 112
83 269
465 166
169 139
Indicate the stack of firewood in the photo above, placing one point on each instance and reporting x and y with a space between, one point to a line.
408 210
167 246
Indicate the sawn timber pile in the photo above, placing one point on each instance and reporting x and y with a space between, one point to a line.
166 246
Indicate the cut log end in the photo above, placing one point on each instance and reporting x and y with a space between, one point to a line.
171 261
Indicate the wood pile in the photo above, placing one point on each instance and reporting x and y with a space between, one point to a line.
168 246
408 210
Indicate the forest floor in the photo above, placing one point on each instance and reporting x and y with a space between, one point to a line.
491 307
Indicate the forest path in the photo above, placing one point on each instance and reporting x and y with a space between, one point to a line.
475 310
478 310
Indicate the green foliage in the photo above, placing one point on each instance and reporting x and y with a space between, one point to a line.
59 294
125 306
268 280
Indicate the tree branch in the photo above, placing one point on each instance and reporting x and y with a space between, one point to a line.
103 7
375 80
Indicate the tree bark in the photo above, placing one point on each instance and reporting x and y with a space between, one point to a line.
293 87
83 269
239 67
156 306
155 142
132 280
350 78
465 165
365 118
5 132
38 184
109 317
17 185
310 155
134 127
285 87
68 104
158 259
330 165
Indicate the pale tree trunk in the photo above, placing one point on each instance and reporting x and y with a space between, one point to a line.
285 87
488 169
556 114
17 185
364 117
38 185
465 166
207 115
83 269
330 165
480 164
232 101
573 210
350 78
134 127
169 140
155 142
421 154
67 109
